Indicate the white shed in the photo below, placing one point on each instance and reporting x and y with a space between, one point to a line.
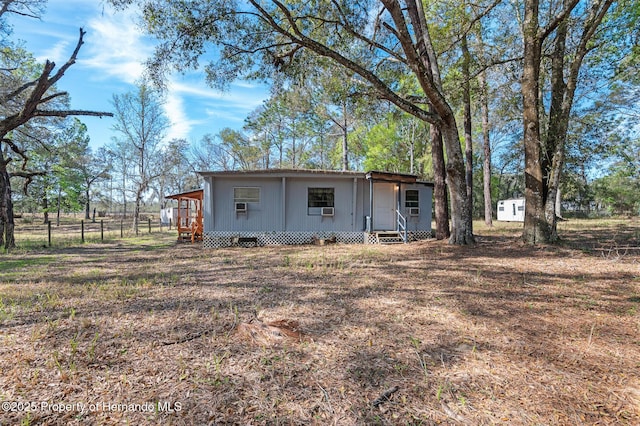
168 214
511 210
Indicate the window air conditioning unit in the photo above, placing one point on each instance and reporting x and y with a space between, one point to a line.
241 207
327 211
414 211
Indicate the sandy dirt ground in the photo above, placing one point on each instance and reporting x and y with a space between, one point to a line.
154 332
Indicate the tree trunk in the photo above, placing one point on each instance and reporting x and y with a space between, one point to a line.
87 207
535 226
345 146
124 192
544 162
58 207
486 145
7 226
466 95
45 206
553 153
439 185
461 223
136 211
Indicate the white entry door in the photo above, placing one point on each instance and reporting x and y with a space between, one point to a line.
384 206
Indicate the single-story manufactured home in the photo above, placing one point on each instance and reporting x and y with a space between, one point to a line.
300 206
511 210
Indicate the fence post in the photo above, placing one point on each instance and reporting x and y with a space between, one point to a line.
101 230
121 228
169 224
82 229
49 232
149 225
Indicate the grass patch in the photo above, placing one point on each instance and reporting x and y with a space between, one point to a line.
16 264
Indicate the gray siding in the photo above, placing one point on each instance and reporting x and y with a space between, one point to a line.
265 215
423 221
288 211
345 219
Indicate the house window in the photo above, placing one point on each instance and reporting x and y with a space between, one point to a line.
411 198
246 195
317 198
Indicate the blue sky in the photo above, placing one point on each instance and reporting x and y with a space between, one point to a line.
111 60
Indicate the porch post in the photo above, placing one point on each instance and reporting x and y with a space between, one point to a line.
370 206
398 198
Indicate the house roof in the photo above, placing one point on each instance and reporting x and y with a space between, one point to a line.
372 175
282 173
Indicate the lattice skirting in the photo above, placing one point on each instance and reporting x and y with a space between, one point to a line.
226 238
420 235
370 238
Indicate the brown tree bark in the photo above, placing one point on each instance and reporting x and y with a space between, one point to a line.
466 99
535 228
439 185
486 145
7 225
544 157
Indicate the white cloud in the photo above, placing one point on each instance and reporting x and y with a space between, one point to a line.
58 53
214 107
243 99
116 47
176 113
224 115
114 53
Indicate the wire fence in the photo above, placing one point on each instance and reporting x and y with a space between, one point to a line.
30 234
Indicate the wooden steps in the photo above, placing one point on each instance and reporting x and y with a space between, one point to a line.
389 237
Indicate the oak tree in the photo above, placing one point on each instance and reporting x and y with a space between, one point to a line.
368 38
25 97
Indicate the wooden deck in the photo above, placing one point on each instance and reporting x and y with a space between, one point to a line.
189 220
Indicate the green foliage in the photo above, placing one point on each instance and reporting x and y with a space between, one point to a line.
619 192
382 143
61 161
